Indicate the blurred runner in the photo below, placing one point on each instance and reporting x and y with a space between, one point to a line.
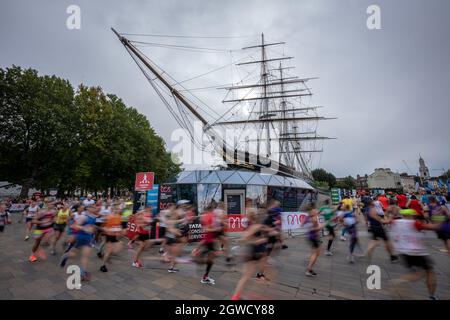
330 222
85 230
314 227
43 228
112 230
409 243
30 214
221 218
349 220
376 220
143 222
210 230
173 235
61 220
2 216
440 216
255 238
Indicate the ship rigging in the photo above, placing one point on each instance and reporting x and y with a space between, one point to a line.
273 106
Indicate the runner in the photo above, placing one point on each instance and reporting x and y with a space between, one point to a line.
330 222
43 222
71 231
85 227
173 236
2 216
440 216
273 222
409 243
376 220
255 238
112 230
143 222
61 219
210 230
221 218
312 222
414 204
349 219
30 214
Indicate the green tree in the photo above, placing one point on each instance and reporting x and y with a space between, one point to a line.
36 122
54 137
321 175
346 183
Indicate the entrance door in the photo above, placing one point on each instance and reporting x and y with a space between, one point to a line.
234 201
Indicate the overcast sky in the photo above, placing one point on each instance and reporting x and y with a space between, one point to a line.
390 88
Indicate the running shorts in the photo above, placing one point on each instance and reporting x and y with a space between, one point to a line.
59 227
111 239
83 241
378 233
330 230
171 241
315 243
40 233
143 237
423 262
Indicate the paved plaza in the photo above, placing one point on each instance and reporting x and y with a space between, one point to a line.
337 279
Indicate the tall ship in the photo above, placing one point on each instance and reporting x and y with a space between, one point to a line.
274 125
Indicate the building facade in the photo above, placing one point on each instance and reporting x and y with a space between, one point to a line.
384 178
408 183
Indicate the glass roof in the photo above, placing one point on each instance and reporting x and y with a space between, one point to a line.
239 177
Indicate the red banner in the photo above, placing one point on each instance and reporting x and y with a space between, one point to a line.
236 223
144 181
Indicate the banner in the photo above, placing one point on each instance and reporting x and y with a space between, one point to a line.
293 220
195 232
152 198
167 195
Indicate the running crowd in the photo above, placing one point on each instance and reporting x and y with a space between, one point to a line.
103 226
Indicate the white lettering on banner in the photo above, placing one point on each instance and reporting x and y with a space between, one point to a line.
17 207
293 220
237 223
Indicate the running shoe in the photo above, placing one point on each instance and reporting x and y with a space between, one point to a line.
394 259
328 253
343 238
284 246
207 280
173 270
26 238
52 252
351 259
103 269
161 251
63 261
100 255
32 258
433 298
310 273
261 276
237 296
137 264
